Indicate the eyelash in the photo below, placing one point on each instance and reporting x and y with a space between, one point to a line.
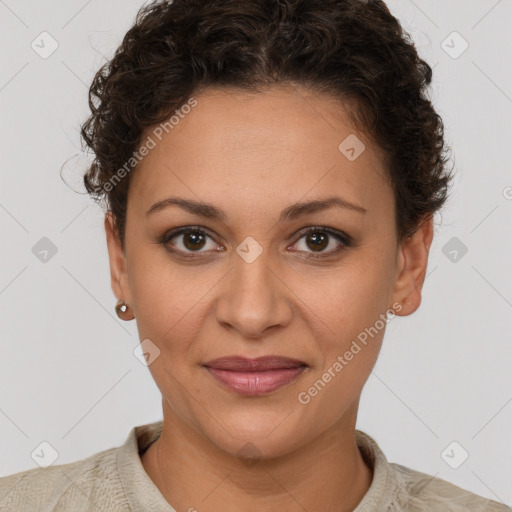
344 239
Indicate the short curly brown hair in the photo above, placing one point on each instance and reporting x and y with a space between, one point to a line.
354 50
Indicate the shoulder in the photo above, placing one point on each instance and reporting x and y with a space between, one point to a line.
419 491
397 488
79 486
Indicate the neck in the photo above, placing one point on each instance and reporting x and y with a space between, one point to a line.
193 474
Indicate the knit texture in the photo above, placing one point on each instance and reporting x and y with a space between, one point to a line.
114 480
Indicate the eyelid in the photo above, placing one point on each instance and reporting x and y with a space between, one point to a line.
345 240
168 236
344 237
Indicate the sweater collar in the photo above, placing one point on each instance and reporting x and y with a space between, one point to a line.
142 494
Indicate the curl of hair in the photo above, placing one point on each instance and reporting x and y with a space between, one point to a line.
354 50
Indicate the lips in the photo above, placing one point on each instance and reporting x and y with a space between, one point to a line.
254 377
244 364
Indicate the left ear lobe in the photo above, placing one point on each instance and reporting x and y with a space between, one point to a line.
413 260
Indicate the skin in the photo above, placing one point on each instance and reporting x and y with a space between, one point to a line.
252 155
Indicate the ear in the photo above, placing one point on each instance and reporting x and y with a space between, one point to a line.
412 267
117 259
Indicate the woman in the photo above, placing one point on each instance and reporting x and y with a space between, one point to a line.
271 171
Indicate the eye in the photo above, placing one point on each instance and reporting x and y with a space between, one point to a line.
323 242
188 240
316 242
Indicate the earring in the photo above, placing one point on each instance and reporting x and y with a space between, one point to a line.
123 310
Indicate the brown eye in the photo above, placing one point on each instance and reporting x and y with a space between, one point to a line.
317 240
188 240
322 241
193 240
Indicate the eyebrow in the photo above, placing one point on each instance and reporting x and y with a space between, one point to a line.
291 212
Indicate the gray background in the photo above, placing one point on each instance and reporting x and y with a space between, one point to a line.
68 373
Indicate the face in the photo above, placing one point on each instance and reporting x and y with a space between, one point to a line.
246 278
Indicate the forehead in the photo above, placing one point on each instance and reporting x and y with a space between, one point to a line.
283 141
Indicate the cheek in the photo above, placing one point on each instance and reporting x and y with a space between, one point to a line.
168 298
350 338
355 308
170 312
354 297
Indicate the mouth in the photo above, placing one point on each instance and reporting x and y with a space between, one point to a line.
252 377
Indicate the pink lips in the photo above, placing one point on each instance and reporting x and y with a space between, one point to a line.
255 376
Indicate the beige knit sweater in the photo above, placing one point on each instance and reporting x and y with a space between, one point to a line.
115 480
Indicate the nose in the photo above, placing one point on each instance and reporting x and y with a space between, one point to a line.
254 298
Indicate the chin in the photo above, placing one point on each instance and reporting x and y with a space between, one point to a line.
253 436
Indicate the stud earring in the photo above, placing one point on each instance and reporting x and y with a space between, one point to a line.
123 310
